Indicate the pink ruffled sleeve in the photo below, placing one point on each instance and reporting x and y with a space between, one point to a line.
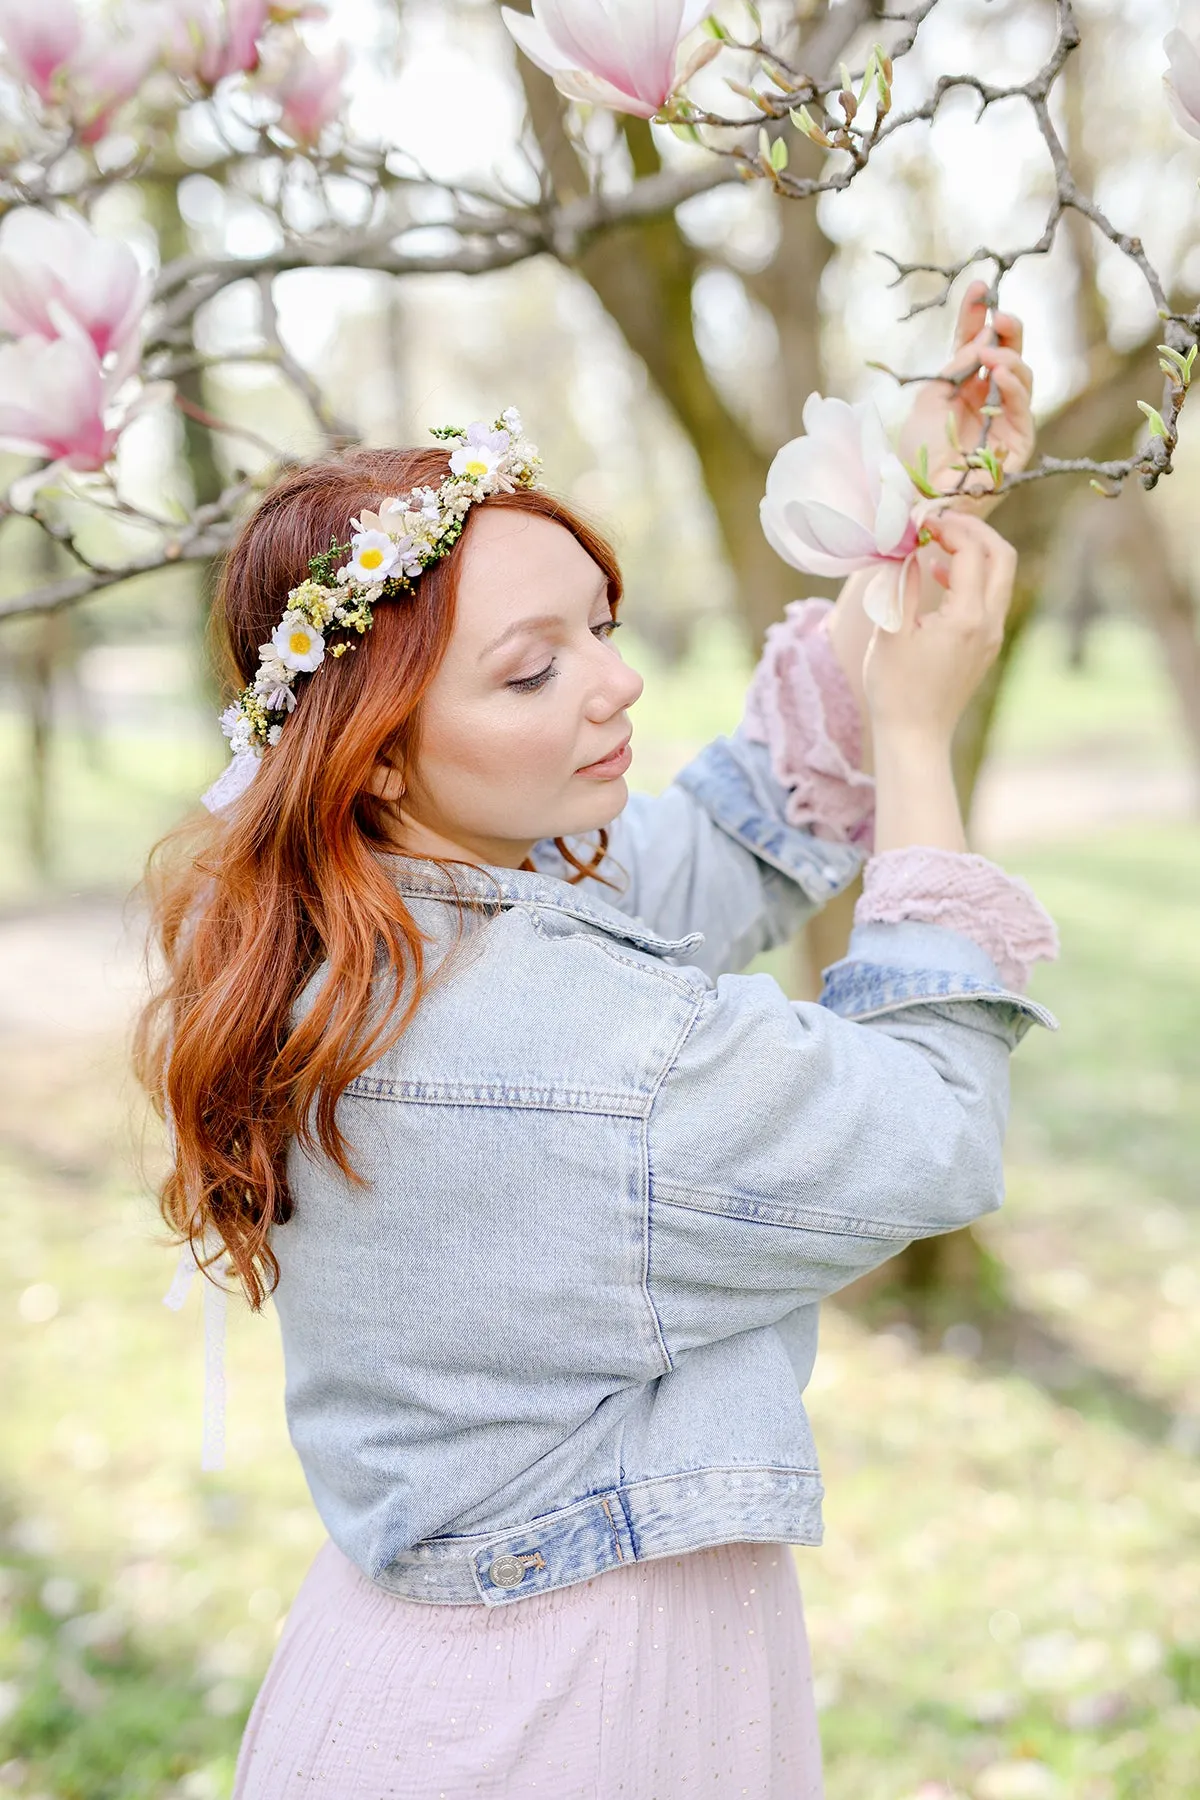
966 893
801 706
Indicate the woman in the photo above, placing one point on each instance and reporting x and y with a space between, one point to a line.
546 1193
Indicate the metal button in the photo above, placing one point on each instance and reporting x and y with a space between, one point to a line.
506 1571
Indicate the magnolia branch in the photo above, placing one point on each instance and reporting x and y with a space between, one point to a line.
493 229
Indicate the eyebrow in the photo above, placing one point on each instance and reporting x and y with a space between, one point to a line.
535 622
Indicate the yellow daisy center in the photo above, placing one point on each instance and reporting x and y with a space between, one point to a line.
300 643
475 468
371 559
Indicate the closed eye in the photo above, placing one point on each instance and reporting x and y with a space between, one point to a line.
529 684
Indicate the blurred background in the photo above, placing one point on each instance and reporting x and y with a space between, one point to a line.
1007 1605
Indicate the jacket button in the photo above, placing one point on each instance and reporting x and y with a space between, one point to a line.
506 1572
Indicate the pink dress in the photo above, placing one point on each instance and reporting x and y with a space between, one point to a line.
687 1675
663 1679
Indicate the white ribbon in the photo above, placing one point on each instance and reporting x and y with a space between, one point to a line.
232 782
212 1449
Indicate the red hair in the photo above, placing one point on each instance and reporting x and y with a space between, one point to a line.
246 906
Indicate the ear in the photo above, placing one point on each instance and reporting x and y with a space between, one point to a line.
387 782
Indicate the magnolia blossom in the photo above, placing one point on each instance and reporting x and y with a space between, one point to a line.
1182 78
110 71
297 644
622 54
56 400
87 67
205 40
54 269
307 87
40 38
840 499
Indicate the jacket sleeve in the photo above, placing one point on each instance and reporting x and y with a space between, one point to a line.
793 1145
714 853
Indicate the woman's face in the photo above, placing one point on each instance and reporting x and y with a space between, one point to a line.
521 722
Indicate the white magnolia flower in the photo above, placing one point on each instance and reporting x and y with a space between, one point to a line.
1182 77
297 645
279 699
623 54
483 451
840 499
375 556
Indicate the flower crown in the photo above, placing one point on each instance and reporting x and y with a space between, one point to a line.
389 549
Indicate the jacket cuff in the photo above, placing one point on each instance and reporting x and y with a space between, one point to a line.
733 780
891 967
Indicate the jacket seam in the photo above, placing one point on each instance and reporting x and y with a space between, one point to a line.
585 1100
651 941
648 1174
484 1539
1031 1009
610 950
800 1218
669 1063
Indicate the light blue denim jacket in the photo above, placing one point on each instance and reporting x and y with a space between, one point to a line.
569 1322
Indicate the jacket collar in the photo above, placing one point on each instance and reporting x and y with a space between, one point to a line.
491 888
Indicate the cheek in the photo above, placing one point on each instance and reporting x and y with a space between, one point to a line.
505 741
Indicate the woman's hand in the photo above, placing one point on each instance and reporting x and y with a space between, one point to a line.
919 679
980 352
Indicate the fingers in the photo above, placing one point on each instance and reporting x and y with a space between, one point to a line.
997 358
972 319
980 570
971 314
980 354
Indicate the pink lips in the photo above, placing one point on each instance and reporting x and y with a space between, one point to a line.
612 765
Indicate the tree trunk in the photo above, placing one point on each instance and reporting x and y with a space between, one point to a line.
204 474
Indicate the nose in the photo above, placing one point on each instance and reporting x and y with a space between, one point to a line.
618 688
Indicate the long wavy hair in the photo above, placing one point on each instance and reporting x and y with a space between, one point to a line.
245 906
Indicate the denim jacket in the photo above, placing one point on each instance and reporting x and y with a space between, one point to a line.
569 1322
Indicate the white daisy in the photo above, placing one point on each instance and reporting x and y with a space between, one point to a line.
375 556
481 453
297 645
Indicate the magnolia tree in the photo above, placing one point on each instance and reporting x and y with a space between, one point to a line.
92 340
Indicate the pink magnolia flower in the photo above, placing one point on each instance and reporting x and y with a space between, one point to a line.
1182 77
58 402
108 71
54 265
88 69
616 53
205 40
54 401
308 87
840 499
40 38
